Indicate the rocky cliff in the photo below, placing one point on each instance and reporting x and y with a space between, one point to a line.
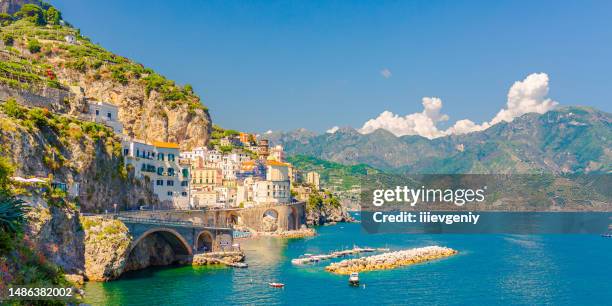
57 233
107 244
327 214
41 51
83 155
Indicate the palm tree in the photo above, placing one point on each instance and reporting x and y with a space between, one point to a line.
12 213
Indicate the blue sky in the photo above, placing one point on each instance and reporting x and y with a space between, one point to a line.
282 65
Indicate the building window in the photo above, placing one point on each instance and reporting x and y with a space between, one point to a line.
109 116
185 172
170 171
169 193
97 112
170 183
160 171
184 193
137 153
160 182
126 152
171 157
160 156
185 183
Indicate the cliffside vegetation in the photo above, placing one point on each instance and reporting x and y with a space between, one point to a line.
41 50
323 207
334 174
20 262
65 149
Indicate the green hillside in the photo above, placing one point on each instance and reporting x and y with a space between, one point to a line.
336 174
566 140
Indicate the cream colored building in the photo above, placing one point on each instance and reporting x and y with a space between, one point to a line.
277 153
313 178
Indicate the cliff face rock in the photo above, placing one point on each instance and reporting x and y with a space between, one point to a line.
107 242
327 214
145 116
151 107
90 163
57 233
12 6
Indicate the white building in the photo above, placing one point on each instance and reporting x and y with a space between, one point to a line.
107 114
229 167
158 163
71 39
271 192
199 152
214 156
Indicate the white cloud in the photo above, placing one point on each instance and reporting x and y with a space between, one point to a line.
268 132
423 123
529 95
333 130
386 73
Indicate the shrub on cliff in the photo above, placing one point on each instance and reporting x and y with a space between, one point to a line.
8 39
6 170
34 46
32 13
11 108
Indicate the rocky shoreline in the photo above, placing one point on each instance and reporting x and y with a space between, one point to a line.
216 258
301 233
390 260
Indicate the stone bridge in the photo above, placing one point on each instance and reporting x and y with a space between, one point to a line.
261 218
184 237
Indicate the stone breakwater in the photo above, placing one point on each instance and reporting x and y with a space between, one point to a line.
390 260
301 233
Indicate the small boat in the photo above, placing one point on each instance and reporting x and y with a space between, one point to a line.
240 265
354 279
606 235
276 285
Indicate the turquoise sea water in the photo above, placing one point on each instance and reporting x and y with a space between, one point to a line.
490 269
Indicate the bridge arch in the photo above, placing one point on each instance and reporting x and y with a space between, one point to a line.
233 218
204 242
178 243
270 220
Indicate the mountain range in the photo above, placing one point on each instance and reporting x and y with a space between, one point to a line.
572 139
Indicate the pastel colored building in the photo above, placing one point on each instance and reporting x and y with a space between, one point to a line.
313 178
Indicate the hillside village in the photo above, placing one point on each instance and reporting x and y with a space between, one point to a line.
248 174
166 136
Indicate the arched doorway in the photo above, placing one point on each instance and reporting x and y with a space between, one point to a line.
269 221
292 219
157 247
205 242
232 218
